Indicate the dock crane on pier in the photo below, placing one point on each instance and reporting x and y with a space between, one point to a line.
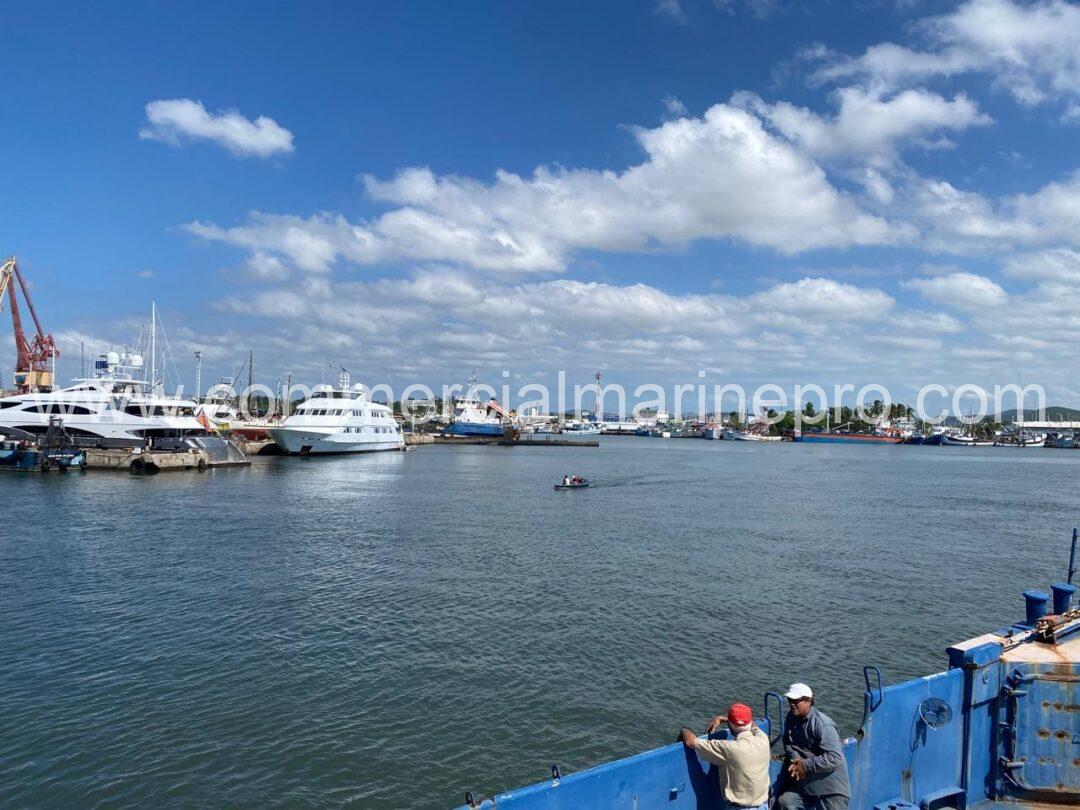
34 359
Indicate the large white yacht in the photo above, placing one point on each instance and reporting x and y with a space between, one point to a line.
113 407
339 420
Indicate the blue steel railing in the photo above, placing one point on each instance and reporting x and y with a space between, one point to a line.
971 733
985 729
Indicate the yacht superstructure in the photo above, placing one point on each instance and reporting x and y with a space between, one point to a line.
339 420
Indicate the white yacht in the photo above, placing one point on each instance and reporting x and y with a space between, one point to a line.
113 407
339 421
219 405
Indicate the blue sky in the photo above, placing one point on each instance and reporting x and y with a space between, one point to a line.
873 192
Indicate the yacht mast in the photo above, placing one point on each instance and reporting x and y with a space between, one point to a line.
153 347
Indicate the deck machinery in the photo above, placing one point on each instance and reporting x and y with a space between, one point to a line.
33 358
1000 728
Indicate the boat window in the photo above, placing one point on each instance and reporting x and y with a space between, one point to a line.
9 404
59 409
144 410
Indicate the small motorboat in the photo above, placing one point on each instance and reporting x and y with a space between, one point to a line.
575 483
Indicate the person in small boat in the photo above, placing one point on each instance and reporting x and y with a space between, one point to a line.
566 480
815 774
742 761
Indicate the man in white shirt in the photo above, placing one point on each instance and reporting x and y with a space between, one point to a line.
742 761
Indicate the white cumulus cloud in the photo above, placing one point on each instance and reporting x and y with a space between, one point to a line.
964 291
720 176
868 124
174 121
1030 49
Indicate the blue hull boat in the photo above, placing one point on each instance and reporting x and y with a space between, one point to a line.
474 429
999 728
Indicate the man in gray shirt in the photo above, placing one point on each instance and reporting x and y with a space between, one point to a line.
815 776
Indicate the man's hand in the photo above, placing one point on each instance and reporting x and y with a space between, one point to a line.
797 770
717 721
688 737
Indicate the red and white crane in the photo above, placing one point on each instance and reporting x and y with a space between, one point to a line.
34 359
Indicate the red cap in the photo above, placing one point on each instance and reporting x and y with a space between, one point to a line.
739 714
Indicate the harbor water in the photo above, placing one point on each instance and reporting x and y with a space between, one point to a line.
391 630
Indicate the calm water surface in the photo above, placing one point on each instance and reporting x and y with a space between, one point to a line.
393 630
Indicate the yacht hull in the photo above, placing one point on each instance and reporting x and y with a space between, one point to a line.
304 442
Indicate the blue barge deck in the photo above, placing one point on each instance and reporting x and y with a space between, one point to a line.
1000 728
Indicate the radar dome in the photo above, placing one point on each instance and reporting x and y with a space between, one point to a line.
136 361
112 358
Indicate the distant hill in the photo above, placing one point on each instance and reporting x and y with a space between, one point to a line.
1054 413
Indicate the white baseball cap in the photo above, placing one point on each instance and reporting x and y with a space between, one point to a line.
799 690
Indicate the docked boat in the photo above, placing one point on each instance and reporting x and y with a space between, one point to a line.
55 449
114 407
218 405
839 437
736 435
626 427
1061 441
475 418
996 729
341 420
1018 436
582 429
964 440
756 430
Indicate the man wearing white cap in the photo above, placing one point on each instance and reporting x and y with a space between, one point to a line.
742 761
815 775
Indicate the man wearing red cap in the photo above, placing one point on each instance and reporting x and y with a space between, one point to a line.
743 760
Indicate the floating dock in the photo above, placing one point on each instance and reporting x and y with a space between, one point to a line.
202 454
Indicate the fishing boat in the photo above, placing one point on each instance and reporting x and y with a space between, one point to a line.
1014 437
965 440
582 429
341 420
1061 441
475 418
997 729
625 427
736 435
756 430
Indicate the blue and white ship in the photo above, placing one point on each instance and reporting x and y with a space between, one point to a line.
998 730
475 418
